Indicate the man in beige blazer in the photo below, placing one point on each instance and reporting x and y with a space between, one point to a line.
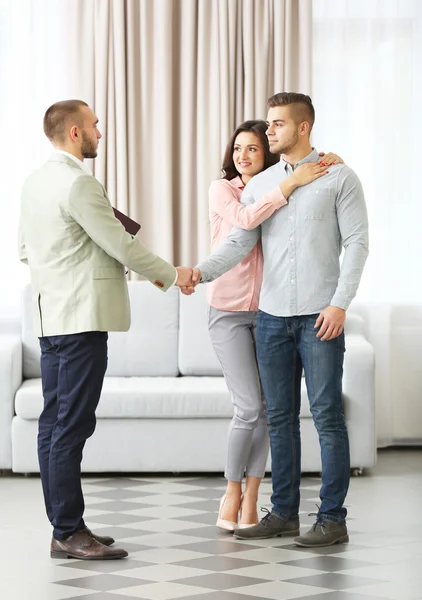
77 251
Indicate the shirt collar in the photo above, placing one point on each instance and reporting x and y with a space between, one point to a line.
76 160
311 157
237 181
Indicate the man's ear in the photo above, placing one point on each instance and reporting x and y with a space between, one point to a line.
304 128
74 133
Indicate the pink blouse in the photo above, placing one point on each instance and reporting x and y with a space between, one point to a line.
239 288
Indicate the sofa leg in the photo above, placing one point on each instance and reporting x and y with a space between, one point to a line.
357 472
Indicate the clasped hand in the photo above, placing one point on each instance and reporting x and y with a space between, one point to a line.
187 279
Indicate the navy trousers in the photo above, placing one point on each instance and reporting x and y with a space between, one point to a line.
72 370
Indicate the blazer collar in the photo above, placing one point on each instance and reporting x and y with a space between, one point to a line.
63 158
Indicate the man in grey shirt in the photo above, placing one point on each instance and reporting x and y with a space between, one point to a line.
303 303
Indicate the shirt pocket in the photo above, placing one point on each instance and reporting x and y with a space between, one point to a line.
320 205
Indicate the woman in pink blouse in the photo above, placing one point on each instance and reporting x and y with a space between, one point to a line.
233 300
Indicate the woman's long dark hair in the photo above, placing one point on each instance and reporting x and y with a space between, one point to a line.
259 128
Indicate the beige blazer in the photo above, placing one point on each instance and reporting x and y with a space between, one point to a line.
77 252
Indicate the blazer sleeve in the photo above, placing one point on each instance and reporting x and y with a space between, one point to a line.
89 206
223 202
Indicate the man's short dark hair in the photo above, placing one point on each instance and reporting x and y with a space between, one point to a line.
58 116
301 104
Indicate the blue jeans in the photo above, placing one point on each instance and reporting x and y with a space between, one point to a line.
285 345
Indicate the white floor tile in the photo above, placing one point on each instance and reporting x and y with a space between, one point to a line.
275 572
162 591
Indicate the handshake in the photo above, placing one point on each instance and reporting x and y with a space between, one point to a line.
187 279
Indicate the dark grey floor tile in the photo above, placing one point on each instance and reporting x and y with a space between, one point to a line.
104 583
211 532
340 596
221 595
334 581
121 533
119 482
208 505
328 563
132 547
205 493
118 518
218 563
207 518
334 549
325 596
217 547
105 596
120 494
221 581
106 566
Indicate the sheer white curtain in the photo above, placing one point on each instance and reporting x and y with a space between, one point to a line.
34 71
367 89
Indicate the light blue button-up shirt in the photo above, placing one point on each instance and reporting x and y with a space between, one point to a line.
302 242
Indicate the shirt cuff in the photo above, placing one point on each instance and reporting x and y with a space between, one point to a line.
205 277
340 301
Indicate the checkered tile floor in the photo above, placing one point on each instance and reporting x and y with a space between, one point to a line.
168 526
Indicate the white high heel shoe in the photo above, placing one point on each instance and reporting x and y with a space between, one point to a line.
243 525
223 523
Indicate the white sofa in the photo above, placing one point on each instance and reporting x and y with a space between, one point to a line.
164 405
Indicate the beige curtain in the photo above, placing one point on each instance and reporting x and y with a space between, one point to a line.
169 81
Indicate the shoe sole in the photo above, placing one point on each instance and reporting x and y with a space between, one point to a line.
342 540
266 537
62 555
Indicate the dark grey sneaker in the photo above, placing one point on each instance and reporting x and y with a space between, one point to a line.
270 526
323 533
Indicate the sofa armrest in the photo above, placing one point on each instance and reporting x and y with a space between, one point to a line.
359 393
354 324
10 381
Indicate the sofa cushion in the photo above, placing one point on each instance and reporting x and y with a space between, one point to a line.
144 397
149 398
196 354
149 348
30 345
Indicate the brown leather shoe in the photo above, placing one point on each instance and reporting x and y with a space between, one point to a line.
84 546
103 539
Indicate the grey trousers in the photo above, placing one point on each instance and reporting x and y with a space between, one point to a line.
233 337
